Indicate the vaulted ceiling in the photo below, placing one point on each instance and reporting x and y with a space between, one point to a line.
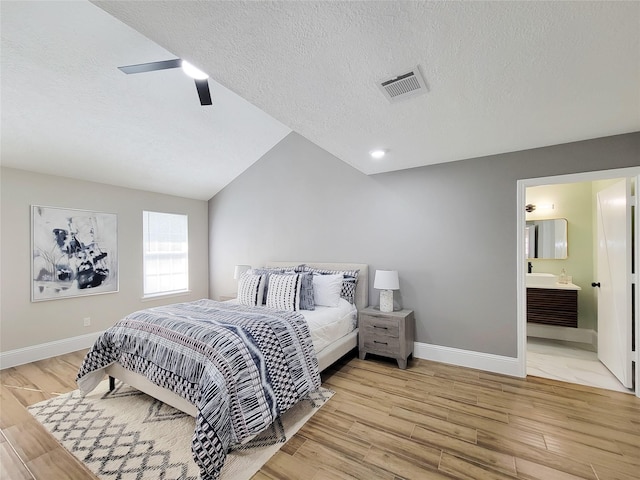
500 77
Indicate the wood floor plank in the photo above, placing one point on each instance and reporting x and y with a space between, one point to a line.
325 435
58 463
417 452
632 451
545 398
345 383
464 469
535 471
562 446
17 377
468 434
376 418
328 417
11 466
607 473
52 374
293 444
494 459
288 467
30 439
263 476
618 436
12 411
577 466
495 413
497 428
591 441
320 456
28 396
402 466
415 405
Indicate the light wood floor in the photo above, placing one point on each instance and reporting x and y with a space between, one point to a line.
427 422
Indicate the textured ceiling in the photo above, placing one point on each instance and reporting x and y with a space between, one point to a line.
67 110
501 76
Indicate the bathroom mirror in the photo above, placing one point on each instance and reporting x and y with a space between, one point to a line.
546 238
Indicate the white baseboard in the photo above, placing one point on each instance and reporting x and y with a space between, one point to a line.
467 358
34 353
568 334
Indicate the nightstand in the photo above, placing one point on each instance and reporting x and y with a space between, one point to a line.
389 334
231 296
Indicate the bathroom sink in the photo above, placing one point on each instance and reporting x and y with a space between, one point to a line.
541 279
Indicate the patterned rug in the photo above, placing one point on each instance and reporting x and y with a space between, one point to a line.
127 435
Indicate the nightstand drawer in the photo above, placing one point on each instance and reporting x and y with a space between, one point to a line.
371 325
381 345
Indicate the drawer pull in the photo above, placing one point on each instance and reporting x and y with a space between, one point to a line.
384 328
381 343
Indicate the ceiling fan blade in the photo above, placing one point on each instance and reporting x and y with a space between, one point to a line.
152 66
203 92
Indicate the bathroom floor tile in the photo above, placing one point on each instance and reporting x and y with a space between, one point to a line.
569 362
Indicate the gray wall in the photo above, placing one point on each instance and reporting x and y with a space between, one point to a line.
449 229
25 324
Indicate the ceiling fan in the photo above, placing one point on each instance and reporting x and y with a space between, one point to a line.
202 85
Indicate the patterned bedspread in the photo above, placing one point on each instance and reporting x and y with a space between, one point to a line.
241 366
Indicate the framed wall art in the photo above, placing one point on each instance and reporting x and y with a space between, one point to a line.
74 253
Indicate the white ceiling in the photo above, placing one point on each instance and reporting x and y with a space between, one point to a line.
501 76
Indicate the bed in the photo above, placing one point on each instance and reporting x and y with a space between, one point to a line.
317 339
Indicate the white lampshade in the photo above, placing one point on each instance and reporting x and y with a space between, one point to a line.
240 270
386 280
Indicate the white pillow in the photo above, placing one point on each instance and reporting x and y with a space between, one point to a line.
251 289
284 292
326 289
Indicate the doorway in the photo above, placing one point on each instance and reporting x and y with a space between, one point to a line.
563 340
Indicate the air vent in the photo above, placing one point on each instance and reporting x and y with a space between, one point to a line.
403 86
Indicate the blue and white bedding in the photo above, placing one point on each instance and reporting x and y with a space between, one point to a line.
240 366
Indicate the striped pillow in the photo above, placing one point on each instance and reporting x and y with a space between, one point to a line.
267 272
251 289
284 292
307 300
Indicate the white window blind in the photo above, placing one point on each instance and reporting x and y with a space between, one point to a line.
166 253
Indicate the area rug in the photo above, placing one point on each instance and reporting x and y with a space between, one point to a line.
127 435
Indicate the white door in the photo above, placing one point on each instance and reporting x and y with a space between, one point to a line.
613 212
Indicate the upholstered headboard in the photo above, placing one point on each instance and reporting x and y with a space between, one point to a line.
362 287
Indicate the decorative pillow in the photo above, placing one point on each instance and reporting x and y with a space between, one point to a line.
284 292
307 298
349 282
267 272
326 289
251 289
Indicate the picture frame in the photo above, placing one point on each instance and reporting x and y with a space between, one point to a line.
73 253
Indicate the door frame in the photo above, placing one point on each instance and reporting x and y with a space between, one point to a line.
522 186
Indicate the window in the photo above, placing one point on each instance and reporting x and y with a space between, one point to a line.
166 253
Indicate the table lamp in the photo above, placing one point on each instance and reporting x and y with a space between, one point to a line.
386 281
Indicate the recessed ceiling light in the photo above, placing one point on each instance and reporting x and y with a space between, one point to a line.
378 154
193 72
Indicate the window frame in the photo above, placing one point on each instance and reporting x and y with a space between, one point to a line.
181 255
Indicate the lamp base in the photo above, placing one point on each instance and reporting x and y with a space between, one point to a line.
386 301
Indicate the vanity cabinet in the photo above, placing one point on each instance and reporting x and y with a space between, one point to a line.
550 306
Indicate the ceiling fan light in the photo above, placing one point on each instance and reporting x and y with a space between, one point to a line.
378 154
193 72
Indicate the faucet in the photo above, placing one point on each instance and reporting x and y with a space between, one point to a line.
530 267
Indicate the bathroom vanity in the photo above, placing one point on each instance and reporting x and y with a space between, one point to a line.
550 302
